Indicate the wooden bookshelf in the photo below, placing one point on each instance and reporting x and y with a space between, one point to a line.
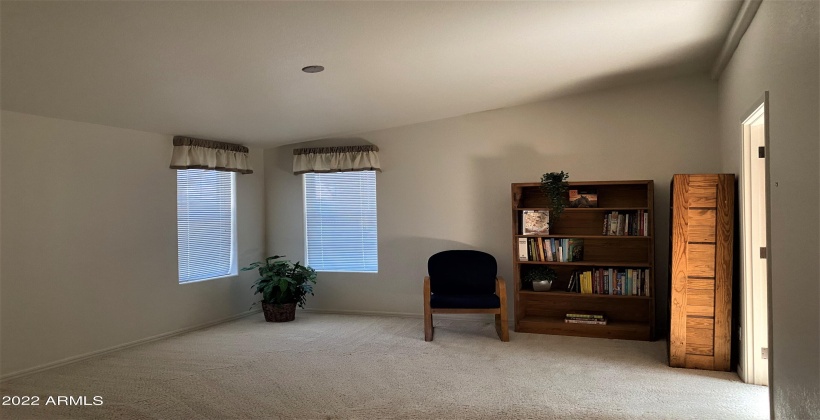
629 317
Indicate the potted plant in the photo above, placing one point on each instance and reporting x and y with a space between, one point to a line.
555 186
282 285
540 277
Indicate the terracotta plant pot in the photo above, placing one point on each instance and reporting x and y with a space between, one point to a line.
279 313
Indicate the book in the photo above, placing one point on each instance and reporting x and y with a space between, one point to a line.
586 286
585 321
613 223
646 224
647 291
536 222
522 249
599 281
548 250
564 250
641 283
628 288
585 314
626 225
574 282
533 250
610 276
582 282
575 249
640 223
583 198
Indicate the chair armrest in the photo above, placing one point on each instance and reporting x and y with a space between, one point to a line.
427 290
501 288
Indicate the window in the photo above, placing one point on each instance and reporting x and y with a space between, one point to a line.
206 232
340 217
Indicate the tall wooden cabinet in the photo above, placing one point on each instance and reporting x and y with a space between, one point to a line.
700 301
630 315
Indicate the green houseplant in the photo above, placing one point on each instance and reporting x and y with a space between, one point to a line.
555 186
540 277
283 285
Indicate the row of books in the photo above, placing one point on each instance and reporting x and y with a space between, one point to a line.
610 281
581 317
551 249
634 223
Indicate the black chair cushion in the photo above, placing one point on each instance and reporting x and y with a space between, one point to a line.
462 272
464 301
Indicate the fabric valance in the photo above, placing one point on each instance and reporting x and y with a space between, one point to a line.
336 159
191 153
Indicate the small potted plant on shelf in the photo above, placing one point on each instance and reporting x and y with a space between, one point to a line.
555 186
283 285
540 277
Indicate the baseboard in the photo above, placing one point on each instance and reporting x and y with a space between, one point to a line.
451 317
75 359
365 313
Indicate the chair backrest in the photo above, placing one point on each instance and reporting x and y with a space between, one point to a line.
462 272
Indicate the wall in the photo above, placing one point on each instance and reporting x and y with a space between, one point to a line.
779 53
89 242
446 184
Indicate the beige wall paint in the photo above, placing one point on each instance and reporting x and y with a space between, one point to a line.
89 241
446 184
779 53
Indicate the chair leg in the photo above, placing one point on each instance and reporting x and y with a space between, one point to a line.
428 325
501 327
428 311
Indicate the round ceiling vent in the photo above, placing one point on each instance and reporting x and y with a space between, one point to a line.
312 69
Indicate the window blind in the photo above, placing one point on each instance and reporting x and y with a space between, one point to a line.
340 218
205 224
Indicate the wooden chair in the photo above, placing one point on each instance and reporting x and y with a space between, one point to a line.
464 282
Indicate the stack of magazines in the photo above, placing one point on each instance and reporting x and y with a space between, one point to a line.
582 317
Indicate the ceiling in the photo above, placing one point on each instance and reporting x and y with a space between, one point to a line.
231 70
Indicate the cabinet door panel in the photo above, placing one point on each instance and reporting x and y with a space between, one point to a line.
702 225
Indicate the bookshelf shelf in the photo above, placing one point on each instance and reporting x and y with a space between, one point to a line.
633 264
585 236
580 295
594 209
631 315
556 325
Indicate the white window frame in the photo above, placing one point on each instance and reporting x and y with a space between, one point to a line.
305 207
233 252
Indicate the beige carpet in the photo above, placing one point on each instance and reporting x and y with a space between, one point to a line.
366 367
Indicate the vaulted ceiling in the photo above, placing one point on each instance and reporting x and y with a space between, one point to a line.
232 70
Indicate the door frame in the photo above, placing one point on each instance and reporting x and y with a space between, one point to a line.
747 370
